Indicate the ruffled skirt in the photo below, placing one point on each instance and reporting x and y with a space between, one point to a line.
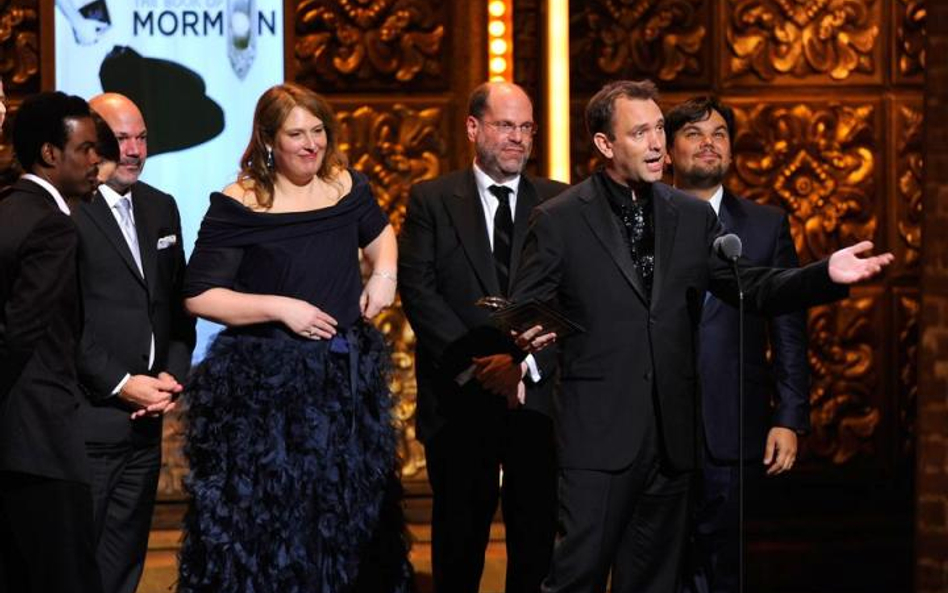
293 478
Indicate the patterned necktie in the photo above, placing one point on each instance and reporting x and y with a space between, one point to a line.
124 206
503 236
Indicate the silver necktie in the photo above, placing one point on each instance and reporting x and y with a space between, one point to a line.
124 206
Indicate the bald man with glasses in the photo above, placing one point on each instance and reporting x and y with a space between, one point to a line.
460 242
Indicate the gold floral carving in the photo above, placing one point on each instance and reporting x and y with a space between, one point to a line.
397 149
907 315
174 467
815 161
843 359
369 44
400 337
663 39
909 180
774 38
910 38
19 46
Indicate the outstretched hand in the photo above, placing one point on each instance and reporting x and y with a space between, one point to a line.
845 267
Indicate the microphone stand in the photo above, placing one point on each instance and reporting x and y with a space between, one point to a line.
740 427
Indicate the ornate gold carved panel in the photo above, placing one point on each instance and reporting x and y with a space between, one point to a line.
908 63
906 181
396 146
795 41
906 314
818 161
9 168
845 363
665 40
19 46
370 45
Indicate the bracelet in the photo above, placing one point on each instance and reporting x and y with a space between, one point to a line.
387 275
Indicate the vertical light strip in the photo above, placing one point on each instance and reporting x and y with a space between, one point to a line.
557 91
500 40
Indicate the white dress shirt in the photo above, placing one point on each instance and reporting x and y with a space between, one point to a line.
489 204
58 197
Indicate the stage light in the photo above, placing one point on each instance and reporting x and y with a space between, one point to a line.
500 40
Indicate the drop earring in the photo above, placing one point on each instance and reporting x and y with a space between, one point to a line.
270 163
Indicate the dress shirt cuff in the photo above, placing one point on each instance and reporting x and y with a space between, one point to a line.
121 384
533 371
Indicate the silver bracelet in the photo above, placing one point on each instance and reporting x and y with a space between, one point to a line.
387 275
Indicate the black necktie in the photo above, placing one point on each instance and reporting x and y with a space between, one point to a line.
503 236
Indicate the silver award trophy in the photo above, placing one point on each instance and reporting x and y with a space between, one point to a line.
241 37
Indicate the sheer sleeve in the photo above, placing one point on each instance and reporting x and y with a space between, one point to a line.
211 267
372 220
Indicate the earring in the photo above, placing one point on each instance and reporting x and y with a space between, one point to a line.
270 163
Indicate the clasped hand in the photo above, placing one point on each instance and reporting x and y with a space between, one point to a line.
153 396
499 374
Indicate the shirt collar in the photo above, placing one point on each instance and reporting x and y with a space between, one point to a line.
51 189
715 200
111 196
484 181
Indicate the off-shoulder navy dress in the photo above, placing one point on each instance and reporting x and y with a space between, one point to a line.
290 441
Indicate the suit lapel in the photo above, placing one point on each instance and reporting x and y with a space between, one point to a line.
732 219
147 234
466 212
666 225
101 215
526 200
730 214
604 226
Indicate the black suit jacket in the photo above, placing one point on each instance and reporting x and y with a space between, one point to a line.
639 350
121 309
765 236
39 332
445 265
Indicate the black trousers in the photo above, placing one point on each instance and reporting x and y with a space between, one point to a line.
124 484
712 565
464 461
632 522
46 536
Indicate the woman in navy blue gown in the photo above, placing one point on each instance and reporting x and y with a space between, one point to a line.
289 435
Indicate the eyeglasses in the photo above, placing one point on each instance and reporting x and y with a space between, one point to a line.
507 127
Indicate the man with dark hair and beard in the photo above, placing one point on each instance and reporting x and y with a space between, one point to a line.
699 134
46 539
461 241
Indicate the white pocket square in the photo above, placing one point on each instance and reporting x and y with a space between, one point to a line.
166 242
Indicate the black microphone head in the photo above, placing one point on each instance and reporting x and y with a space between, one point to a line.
728 246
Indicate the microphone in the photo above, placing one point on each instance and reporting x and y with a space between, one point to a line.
728 247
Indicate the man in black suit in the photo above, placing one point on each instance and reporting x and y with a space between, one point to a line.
461 241
630 259
698 133
46 536
136 343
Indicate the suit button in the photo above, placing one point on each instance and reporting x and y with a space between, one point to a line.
145 357
647 376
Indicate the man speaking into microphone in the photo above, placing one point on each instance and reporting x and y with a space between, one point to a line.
630 259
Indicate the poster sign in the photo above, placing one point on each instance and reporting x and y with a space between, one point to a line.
194 67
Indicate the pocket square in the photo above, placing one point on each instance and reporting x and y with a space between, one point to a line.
167 241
